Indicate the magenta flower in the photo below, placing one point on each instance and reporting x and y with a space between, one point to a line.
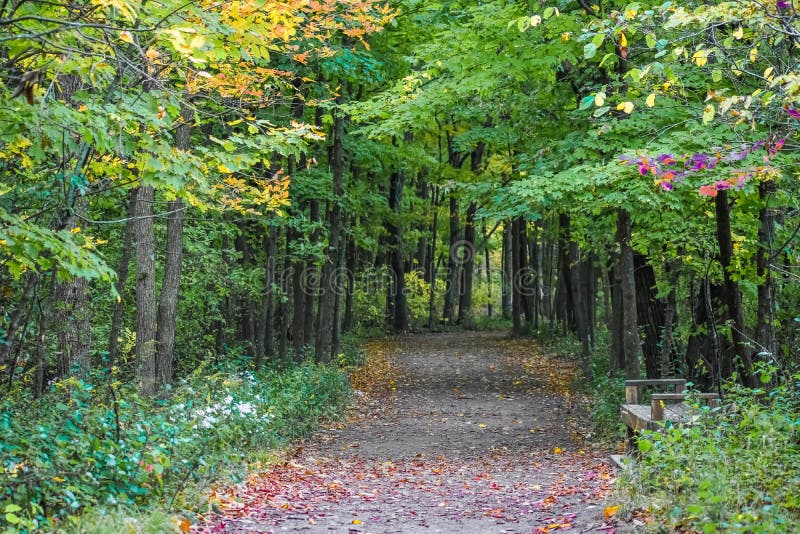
722 184
795 114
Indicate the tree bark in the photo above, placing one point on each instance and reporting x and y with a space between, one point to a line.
327 301
630 334
122 280
145 291
467 260
508 271
451 284
765 327
516 301
740 354
396 264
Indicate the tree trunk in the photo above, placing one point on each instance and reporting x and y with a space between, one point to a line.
396 264
451 284
508 271
327 302
630 334
765 328
740 354
145 291
122 279
516 301
467 260
170 287
650 312
616 327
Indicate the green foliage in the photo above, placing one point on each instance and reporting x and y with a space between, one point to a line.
89 444
735 469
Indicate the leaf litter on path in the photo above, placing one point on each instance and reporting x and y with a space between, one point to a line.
456 432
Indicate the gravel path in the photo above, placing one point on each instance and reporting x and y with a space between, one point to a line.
473 433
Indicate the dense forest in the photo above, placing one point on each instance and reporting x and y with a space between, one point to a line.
211 200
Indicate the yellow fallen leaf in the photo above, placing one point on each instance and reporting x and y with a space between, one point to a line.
126 36
357 522
558 450
651 100
753 55
738 33
610 511
481 425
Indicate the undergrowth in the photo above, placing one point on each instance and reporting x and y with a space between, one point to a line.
735 469
94 445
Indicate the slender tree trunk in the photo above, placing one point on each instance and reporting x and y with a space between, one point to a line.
144 236
348 321
516 301
467 261
630 334
170 287
488 266
650 312
616 325
508 271
327 303
451 284
396 264
740 355
765 328
267 327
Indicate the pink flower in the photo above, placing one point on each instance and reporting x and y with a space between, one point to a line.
795 114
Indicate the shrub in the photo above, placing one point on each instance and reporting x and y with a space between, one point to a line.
97 443
734 470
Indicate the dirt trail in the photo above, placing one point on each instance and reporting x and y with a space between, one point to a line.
473 435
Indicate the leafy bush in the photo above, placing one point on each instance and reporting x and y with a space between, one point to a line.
736 469
97 443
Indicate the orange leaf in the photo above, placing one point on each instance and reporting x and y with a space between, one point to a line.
610 511
185 525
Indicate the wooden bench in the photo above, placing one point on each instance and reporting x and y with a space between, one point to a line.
637 416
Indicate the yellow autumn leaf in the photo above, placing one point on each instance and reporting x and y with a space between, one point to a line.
82 108
700 57
558 450
535 20
223 169
357 522
75 230
599 99
610 511
627 107
152 54
481 425
708 114
126 37
651 100
753 55
623 41
768 73
197 42
738 33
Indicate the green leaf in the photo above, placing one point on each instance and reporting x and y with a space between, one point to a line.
599 112
650 39
589 50
13 519
11 508
644 445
